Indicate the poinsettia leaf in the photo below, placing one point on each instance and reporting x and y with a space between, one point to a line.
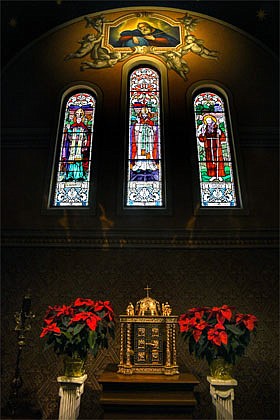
78 328
92 339
101 313
234 344
200 346
70 329
65 321
111 330
234 329
94 350
191 345
67 335
201 349
212 322
245 339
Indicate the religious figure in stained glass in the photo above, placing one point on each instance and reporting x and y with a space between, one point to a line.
214 155
73 175
75 149
144 141
212 138
144 173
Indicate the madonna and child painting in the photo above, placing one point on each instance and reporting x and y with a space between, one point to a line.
144 34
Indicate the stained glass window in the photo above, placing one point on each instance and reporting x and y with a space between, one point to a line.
144 184
217 187
73 170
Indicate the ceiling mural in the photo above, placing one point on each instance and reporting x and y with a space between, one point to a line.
141 33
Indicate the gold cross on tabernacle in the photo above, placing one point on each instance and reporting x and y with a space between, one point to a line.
147 288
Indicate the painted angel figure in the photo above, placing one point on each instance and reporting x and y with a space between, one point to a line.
89 44
174 60
189 22
96 22
192 44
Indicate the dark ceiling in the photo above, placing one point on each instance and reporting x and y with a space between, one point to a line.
24 21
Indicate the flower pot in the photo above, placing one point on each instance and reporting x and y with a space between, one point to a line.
220 369
74 366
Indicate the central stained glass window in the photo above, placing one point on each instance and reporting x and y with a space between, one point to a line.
144 184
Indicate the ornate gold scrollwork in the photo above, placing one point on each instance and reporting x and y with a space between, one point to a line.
102 54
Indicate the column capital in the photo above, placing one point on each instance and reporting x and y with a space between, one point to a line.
75 380
222 382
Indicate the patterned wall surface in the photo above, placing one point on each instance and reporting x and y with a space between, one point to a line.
246 278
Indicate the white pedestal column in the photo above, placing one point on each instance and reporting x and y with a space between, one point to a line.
222 393
70 392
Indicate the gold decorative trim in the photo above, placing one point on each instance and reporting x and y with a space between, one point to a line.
166 370
171 40
159 320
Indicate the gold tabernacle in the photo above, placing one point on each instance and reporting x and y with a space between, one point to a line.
148 338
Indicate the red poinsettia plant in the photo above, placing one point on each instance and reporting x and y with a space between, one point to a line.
83 326
217 332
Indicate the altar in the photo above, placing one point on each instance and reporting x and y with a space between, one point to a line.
147 396
147 383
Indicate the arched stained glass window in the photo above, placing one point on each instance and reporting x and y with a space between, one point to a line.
144 184
73 170
217 187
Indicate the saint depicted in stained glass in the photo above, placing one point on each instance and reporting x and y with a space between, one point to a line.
144 172
72 186
215 164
